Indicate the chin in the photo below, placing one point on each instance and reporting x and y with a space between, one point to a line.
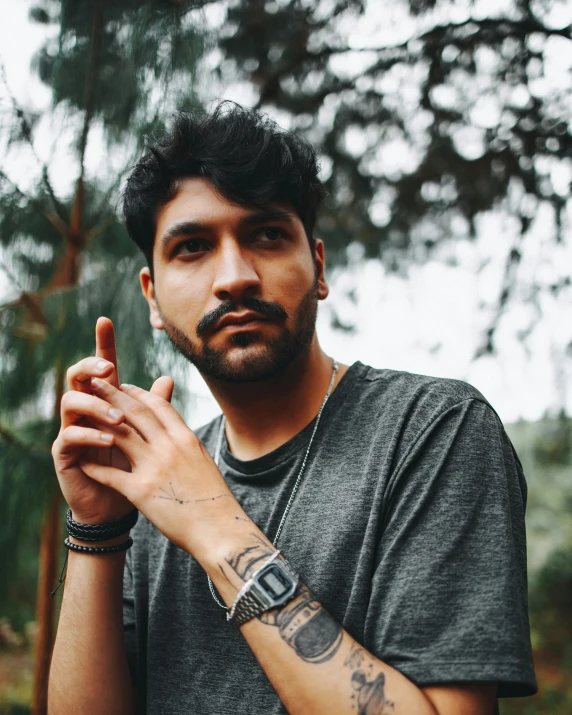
247 359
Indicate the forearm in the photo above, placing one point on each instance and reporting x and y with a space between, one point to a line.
89 672
314 665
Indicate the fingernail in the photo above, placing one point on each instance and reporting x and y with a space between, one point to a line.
96 383
106 437
102 365
126 386
115 414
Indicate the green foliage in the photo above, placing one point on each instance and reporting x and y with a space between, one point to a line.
551 605
120 66
422 93
26 480
541 447
554 443
111 58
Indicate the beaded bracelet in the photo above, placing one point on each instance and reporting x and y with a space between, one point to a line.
99 549
116 548
101 532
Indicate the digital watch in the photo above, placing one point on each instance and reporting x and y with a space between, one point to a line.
273 584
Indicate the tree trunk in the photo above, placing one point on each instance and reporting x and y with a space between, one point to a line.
65 275
49 550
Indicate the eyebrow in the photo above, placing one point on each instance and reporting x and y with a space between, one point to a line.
189 228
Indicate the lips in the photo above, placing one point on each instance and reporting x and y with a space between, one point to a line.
240 319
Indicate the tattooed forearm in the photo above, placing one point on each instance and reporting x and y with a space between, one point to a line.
302 622
247 561
368 684
315 636
308 628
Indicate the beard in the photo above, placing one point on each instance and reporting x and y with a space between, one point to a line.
257 361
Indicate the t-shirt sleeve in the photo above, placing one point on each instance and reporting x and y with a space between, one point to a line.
129 629
449 593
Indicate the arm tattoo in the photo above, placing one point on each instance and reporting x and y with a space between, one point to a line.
367 683
302 622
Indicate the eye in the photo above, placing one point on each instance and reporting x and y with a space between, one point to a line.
193 245
270 234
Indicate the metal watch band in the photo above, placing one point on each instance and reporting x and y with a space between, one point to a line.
251 601
248 607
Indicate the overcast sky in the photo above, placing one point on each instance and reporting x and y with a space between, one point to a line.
429 324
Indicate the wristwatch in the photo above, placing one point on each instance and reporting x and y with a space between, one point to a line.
273 584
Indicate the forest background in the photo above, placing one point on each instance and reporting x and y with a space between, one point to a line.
444 133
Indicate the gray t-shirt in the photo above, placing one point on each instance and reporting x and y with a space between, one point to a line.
408 526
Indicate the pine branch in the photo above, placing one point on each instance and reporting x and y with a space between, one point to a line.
91 79
503 27
11 277
27 134
14 441
508 287
30 199
436 36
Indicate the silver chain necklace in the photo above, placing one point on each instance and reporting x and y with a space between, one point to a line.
300 473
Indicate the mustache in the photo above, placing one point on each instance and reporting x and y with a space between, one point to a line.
262 307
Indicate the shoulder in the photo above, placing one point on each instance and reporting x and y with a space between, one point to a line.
409 396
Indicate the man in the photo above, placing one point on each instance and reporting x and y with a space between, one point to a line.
396 500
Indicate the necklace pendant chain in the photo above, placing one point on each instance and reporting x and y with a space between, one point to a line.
300 473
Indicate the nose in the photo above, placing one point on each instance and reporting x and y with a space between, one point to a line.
234 276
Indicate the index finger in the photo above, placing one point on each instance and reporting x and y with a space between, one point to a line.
105 346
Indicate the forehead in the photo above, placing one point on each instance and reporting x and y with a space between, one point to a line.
198 201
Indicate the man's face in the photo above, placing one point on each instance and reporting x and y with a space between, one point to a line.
235 288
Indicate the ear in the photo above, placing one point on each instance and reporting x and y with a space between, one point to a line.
320 262
149 293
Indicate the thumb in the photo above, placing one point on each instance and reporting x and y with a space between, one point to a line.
163 387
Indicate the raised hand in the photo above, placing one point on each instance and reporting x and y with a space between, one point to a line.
173 480
85 433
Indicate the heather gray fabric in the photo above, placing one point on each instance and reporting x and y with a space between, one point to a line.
408 526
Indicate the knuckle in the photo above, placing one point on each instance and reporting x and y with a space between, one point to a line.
122 430
138 409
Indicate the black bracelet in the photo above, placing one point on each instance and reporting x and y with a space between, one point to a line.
116 548
101 532
99 549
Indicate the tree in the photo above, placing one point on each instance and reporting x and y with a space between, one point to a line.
115 70
442 116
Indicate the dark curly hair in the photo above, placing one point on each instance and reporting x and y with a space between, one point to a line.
247 157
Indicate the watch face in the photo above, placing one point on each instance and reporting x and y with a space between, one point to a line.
274 581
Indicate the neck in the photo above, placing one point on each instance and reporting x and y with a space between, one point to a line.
261 416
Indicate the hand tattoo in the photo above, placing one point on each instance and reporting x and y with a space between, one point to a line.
171 496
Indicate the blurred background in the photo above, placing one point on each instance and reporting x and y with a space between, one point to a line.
444 131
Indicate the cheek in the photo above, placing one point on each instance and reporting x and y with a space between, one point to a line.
291 283
182 299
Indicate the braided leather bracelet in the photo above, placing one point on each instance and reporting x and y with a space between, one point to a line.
96 532
101 532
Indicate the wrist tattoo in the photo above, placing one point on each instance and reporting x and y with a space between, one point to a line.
303 623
